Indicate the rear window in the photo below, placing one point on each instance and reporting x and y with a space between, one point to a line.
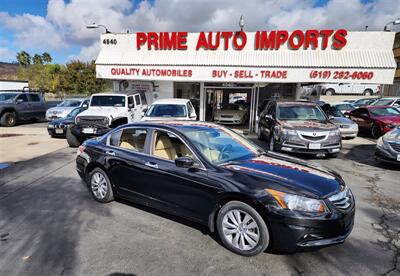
167 110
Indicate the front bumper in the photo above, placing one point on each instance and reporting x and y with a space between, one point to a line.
348 132
387 155
305 147
295 234
229 121
83 132
57 132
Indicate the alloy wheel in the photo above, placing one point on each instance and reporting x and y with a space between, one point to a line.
99 185
10 120
240 230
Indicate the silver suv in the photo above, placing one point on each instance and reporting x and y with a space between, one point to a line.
299 127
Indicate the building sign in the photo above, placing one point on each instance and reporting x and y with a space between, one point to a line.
263 40
253 57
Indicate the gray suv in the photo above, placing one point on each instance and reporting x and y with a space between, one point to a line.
20 106
298 127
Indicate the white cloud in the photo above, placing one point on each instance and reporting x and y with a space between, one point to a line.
64 24
6 54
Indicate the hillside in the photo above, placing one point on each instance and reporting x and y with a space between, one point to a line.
8 71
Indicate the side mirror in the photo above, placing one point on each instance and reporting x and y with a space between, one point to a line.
84 105
130 105
330 117
184 162
19 101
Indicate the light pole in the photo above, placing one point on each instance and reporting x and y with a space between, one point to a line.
96 26
394 22
241 23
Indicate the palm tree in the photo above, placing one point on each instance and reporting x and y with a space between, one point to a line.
23 58
46 57
37 59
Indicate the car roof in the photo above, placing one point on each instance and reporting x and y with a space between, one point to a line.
171 101
287 103
115 94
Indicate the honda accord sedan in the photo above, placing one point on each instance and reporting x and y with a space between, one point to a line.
211 175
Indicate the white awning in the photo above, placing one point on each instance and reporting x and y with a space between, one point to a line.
366 58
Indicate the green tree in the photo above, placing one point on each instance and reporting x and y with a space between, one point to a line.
46 57
23 58
37 59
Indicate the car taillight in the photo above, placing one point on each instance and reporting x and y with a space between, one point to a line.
81 149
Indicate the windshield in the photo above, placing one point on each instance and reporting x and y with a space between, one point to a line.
73 113
166 110
70 103
383 102
344 107
332 111
220 145
389 111
7 96
116 101
300 113
363 102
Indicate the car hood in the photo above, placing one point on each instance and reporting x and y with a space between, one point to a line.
64 121
292 175
229 112
388 119
114 112
307 125
61 109
165 118
342 121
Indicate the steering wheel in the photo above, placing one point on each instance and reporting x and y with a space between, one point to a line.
226 148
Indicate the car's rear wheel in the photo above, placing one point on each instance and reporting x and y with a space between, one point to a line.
9 119
72 141
242 229
330 92
375 131
367 92
100 186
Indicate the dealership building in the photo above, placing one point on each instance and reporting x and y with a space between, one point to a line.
215 68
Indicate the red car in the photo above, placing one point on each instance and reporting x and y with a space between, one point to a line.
377 120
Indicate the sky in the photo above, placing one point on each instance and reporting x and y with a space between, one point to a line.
58 26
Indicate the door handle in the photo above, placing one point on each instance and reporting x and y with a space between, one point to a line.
151 165
110 152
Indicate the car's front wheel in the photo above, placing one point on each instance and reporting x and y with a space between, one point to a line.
100 186
375 131
242 229
72 141
9 119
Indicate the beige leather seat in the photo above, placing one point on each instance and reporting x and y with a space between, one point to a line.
184 150
127 140
164 148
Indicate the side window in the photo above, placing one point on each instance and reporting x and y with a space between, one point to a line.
397 103
137 100
85 102
34 97
133 139
363 112
168 146
131 104
23 97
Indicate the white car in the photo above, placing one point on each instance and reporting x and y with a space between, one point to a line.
64 108
395 102
349 88
170 109
231 114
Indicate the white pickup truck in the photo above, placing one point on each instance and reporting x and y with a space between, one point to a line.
106 111
349 88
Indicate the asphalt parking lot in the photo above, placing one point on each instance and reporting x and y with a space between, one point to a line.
49 224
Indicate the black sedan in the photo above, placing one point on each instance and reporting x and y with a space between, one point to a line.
209 174
58 127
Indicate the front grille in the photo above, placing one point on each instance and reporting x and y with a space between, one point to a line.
226 116
93 121
344 126
342 200
59 126
395 146
313 138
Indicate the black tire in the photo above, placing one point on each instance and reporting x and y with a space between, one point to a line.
375 131
109 195
9 119
368 92
72 141
262 231
330 92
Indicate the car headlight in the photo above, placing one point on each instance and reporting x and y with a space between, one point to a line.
335 132
298 203
50 126
287 131
78 120
354 126
106 120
